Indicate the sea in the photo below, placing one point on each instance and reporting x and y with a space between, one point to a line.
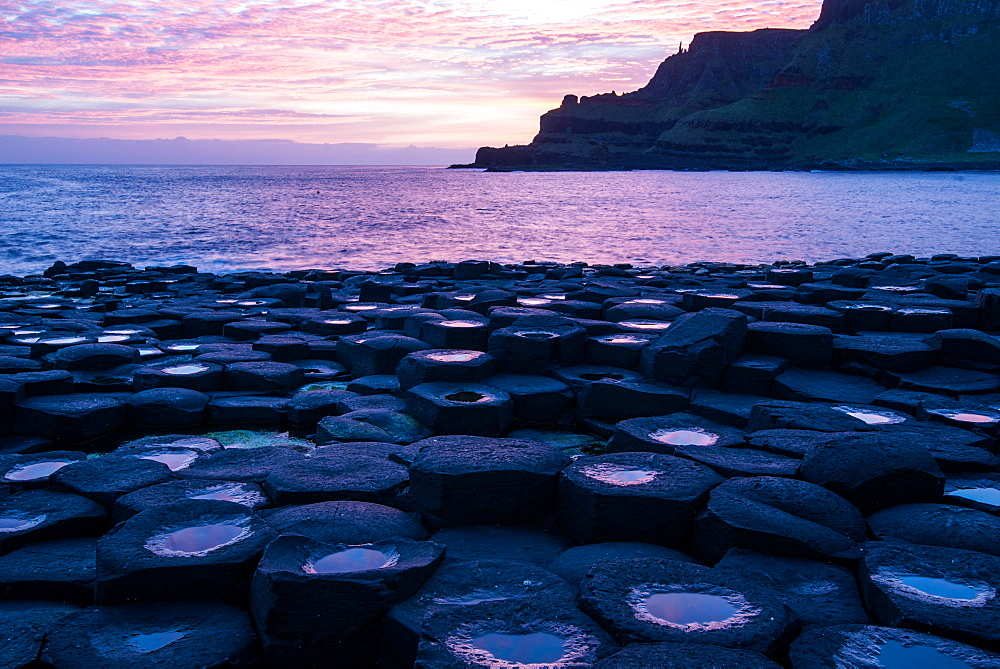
233 218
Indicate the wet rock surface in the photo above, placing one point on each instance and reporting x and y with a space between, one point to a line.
696 463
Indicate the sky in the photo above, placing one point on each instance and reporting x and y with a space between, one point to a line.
447 74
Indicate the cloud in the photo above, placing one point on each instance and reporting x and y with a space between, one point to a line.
449 72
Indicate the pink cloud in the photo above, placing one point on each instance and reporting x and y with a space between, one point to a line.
453 72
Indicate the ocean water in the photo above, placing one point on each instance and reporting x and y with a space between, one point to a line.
283 218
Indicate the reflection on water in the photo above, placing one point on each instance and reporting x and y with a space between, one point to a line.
228 218
147 643
15 524
534 648
351 560
940 587
36 470
197 540
690 608
894 655
692 437
989 496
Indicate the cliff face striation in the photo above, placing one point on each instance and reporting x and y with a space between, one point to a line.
889 84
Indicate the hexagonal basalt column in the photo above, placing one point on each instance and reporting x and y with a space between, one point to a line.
460 408
664 600
870 646
632 497
193 549
311 599
449 365
200 376
777 515
143 636
463 480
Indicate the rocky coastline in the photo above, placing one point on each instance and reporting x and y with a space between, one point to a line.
871 85
477 464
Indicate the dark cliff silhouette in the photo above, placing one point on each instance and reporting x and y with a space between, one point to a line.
897 84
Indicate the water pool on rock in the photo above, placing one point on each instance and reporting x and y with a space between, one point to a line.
197 540
351 560
529 649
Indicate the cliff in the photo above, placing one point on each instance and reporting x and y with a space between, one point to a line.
890 84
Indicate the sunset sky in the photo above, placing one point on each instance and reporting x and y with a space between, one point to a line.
441 73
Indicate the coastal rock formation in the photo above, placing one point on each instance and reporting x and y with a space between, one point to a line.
883 84
710 465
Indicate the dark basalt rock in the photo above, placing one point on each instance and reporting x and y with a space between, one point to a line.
195 548
724 407
94 357
776 515
201 376
976 491
616 400
874 471
683 656
871 646
336 477
148 636
799 385
23 628
730 462
345 522
943 591
511 632
666 433
399 427
63 570
444 333
307 408
41 515
34 471
535 398
954 449
534 343
167 408
939 525
403 454
449 365
951 381
70 418
241 464
248 410
375 384
476 480
818 594
107 478
777 414
488 542
310 599
580 376
641 600
804 345
461 584
617 350
697 345
883 351
753 374
277 378
575 563
248 494
461 408
367 354
967 345
632 497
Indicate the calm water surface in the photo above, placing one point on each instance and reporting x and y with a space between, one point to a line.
282 218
